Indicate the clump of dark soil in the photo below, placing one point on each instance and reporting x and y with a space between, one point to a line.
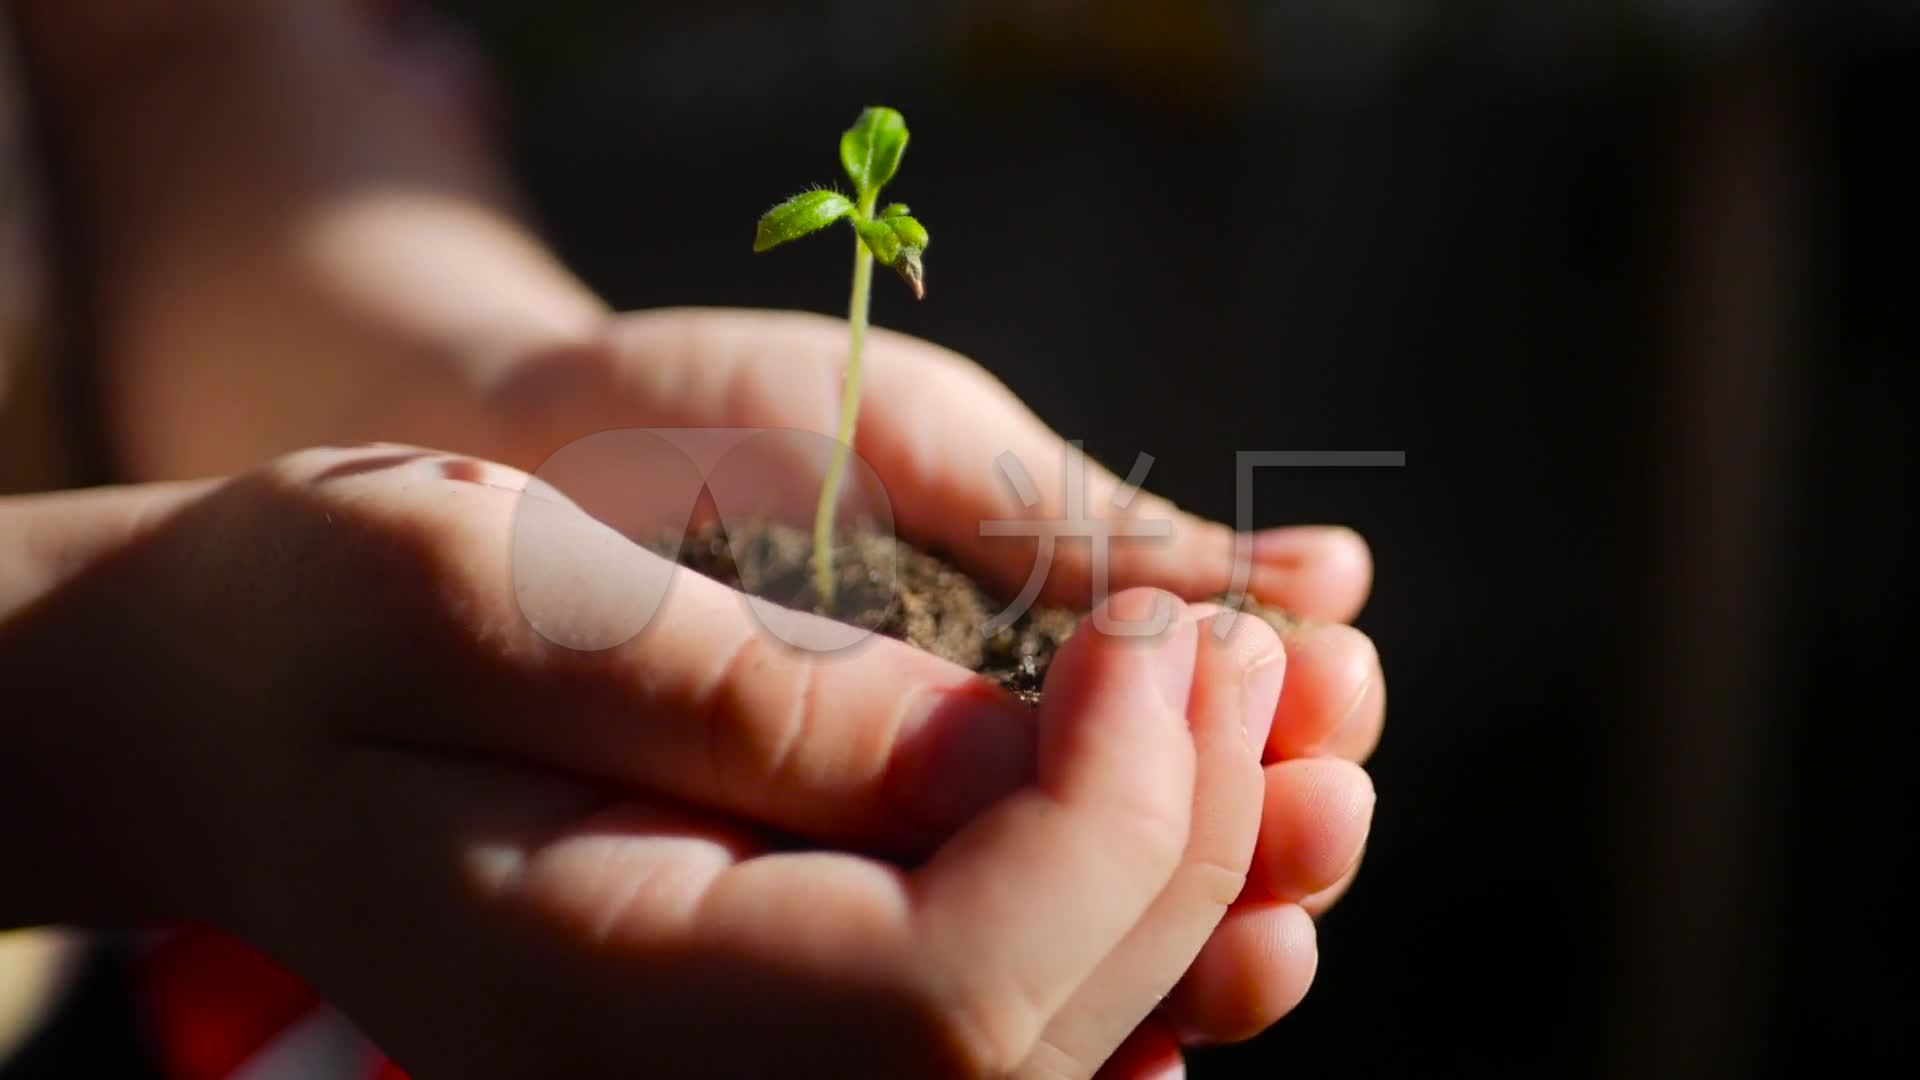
888 586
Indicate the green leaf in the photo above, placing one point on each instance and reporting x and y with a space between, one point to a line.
898 209
909 230
805 213
871 150
881 240
887 235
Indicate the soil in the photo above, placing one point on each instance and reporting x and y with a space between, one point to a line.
888 586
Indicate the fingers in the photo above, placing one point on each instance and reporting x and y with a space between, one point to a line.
632 877
885 745
942 435
957 449
1335 699
1260 961
1255 969
1315 824
952 969
995 933
1021 907
1236 684
888 747
589 654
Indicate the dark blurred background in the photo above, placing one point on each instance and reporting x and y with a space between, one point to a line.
1629 282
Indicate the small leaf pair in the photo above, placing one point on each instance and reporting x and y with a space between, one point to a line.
898 243
870 151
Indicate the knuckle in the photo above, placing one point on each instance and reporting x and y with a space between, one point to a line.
973 1032
784 747
1051 1061
767 704
1218 882
1159 838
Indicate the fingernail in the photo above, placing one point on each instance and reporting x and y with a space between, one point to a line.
1261 694
1263 667
1138 616
968 753
1352 670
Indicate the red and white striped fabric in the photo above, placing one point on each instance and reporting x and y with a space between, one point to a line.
218 1009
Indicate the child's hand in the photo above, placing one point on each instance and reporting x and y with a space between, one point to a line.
336 735
933 426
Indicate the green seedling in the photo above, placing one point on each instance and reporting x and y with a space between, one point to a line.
870 151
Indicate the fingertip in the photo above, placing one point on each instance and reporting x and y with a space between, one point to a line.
1145 612
1321 572
1358 735
1256 969
1224 827
1318 814
1100 835
1330 702
1347 555
1323 901
1131 620
1251 653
